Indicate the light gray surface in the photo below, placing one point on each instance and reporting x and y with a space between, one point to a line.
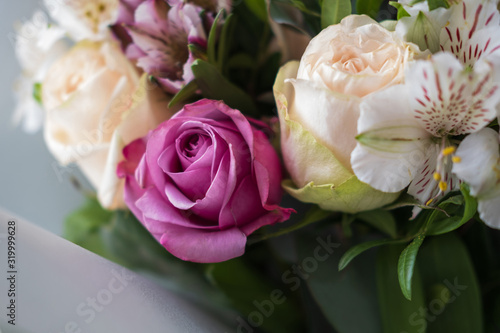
53 294
29 184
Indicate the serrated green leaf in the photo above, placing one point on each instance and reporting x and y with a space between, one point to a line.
381 220
333 11
456 305
187 92
368 7
355 251
215 86
406 265
396 311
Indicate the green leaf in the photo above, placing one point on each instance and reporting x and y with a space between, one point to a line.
249 291
241 60
259 8
304 8
401 11
127 239
347 219
186 93
225 39
37 92
396 311
215 86
212 37
453 294
440 224
434 4
333 11
343 297
83 226
315 214
406 265
198 52
368 7
286 13
406 200
381 220
355 251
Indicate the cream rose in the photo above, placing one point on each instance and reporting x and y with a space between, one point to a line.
318 101
95 104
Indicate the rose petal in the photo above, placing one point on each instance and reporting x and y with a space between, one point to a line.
156 210
203 246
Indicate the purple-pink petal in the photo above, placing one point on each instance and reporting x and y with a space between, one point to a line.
192 244
160 34
203 181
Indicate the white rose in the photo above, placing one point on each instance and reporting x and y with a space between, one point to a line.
96 104
318 102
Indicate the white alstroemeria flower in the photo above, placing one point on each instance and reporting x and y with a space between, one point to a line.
480 168
405 131
84 19
473 30
423 26
38 44
469 28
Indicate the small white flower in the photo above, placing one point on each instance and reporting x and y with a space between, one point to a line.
28 112
406 131
480 168
38 44
84 19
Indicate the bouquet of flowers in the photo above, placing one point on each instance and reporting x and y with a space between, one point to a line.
191 119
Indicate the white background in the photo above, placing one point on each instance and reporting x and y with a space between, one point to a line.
29 185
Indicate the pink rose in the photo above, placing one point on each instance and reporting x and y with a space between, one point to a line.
203 181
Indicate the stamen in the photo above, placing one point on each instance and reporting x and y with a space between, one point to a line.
429 201
448 151
443 186
437 176
456 159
